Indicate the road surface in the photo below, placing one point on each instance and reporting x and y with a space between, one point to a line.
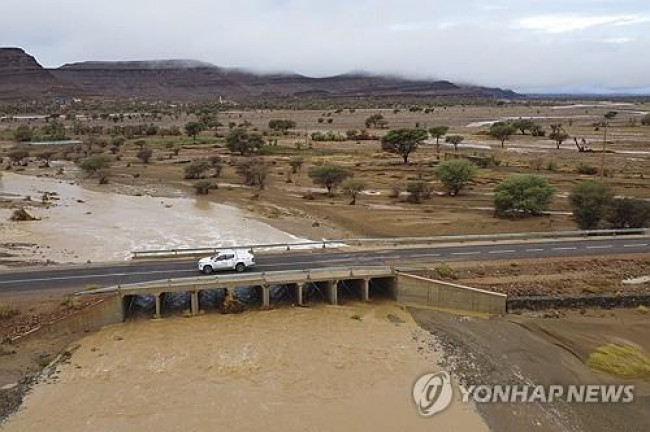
78 277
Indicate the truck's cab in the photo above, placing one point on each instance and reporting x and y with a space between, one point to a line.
227 259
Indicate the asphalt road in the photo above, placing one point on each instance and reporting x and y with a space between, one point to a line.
79 277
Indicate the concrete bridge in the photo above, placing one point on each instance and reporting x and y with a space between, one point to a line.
363 282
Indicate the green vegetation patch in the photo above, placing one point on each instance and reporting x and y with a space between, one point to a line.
625 361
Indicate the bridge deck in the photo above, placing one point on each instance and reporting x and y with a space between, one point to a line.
248 279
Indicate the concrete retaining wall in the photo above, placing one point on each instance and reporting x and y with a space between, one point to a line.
110 310
429 292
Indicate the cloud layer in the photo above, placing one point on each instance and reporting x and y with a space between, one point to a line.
535 45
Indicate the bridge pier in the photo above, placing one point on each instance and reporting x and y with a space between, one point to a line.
266 296
157 315
299 292
365 290
333 292
194 302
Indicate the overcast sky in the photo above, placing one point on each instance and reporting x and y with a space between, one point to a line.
527 45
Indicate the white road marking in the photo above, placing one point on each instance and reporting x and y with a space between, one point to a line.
331 260
93 276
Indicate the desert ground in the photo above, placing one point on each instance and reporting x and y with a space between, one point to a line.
73 210
291 201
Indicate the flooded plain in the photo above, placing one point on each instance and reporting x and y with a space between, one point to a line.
79 225
338 368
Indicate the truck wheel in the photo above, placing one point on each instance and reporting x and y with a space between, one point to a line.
207 269
240 267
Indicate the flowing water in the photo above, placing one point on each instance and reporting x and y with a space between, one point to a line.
100 226
326 368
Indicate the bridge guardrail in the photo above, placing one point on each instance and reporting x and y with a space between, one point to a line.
179 252
253 278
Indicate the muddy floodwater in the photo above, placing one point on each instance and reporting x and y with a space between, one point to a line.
83 225
326 368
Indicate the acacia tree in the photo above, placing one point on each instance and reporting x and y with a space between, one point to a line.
352 188
628 213
455 174
524 125
96 165
194 128
590 201
281 125
242 142
255 172
418 190
23 133
329 176
558 134
502 132
376 121
296 163
522 195
196 169
144 154
438 132
403 141
454 140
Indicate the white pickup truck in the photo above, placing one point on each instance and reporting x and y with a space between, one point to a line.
227 259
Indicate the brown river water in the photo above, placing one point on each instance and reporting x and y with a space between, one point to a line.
307 369
102 226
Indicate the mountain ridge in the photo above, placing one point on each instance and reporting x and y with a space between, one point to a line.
22 78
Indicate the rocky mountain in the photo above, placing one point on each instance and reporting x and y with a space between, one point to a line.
22 78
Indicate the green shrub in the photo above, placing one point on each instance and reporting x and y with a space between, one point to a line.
418 190
586 169
202 187
628 213
590 201
445 271
523 195
455 174
196 169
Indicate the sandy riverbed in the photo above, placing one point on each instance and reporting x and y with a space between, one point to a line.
288 369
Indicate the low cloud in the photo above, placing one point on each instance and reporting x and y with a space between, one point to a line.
571 23
531 45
